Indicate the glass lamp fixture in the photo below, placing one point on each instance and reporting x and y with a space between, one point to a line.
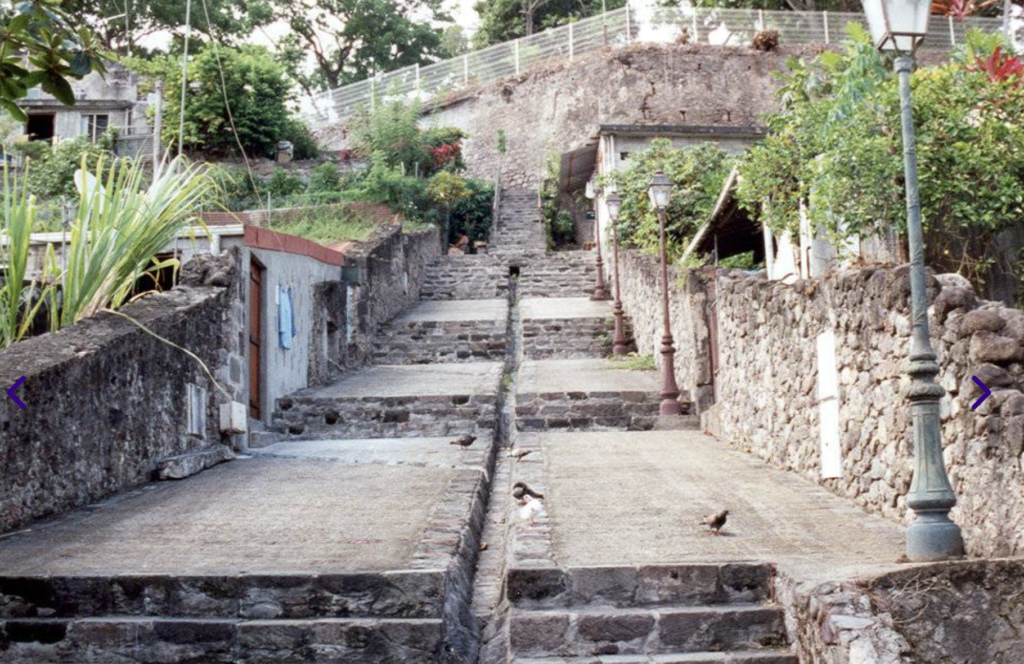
897 25
660 191
614 203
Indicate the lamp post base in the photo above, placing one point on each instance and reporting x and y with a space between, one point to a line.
599 293
933 537
619 344
669 389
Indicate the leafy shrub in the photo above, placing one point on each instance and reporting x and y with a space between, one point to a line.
53 174
324 179
697 173
256 88
283 184
473 216
837 146
390 128
297 133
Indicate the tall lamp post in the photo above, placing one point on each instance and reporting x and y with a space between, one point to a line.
614 203
899 26
598 294
660 191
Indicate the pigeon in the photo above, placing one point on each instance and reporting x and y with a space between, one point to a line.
463 441
715 521
530 509
520 490
519 454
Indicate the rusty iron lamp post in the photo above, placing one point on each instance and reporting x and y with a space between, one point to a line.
660 191
619 344
599 293
899 26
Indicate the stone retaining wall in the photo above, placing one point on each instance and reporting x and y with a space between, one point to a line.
393 267
768 392
640 281
947 613
767 400
105 401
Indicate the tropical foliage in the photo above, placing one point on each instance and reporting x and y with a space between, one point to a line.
123 220
697 173
41 47
837 146
250 81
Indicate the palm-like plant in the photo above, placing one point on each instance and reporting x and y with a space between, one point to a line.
121 225
18 303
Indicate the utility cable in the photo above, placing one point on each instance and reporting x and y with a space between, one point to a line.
184 75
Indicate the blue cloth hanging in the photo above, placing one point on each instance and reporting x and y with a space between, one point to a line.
285 317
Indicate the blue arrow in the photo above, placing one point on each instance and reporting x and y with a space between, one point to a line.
10 392
984 392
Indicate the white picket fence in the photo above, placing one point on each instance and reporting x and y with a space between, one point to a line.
727 27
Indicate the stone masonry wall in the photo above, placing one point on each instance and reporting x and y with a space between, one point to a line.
945 613
768 382
105 401
558 108
393 266
640 280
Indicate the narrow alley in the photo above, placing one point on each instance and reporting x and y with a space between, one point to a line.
356 530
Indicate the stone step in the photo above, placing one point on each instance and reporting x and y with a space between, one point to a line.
772 656
618 631
624 586
135 640
445 331
398 401
390 594
472 277
586 394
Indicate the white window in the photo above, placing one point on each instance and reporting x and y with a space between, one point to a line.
94 125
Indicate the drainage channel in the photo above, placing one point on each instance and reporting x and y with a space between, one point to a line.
488 586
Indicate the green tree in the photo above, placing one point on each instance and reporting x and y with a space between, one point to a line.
350 40
697 173
256 88
40 46
502 20
120 25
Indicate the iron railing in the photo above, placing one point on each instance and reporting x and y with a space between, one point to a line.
726 27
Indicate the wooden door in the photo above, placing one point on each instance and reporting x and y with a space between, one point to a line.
255 336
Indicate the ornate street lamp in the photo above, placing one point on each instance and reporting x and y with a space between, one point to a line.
899 26
660 191
598 294
614 203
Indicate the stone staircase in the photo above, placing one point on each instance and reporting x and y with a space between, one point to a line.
519 230
445 331
704 613
470 277
560 274
362 618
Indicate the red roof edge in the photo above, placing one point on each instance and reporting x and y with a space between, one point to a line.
262 238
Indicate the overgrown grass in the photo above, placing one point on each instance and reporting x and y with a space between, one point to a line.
327 225
634 362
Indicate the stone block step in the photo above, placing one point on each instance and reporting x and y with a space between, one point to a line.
397 401
642 631
445 331
313 418
472 277
767 656
625 586
583 411
390 594
135 640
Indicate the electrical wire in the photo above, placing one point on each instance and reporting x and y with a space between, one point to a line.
227 102
184 76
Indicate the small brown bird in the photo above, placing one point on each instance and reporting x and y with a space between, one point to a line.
715 521
463 441
519 454
521 489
